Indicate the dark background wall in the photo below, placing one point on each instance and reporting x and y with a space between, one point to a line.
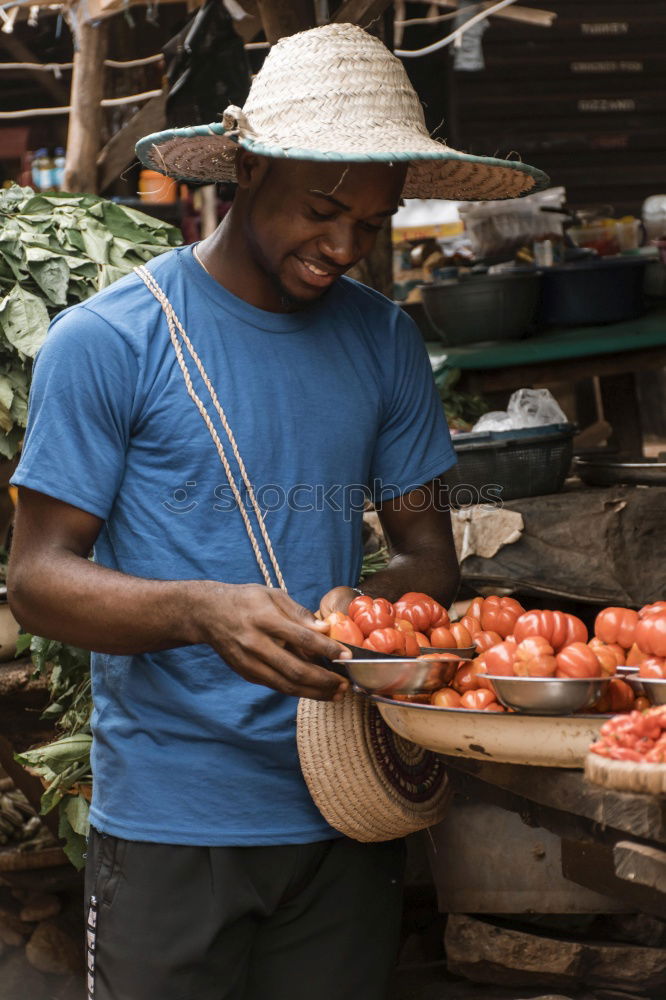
584 99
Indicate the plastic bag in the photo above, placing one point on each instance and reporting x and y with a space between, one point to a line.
497 229
527 408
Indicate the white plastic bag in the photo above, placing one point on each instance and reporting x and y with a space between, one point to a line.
527 408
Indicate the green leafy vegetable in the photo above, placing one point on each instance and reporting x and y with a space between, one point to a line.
57 250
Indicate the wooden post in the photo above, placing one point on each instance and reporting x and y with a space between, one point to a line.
209 219
285 17
85 118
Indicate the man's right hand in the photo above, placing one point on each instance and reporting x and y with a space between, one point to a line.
268 639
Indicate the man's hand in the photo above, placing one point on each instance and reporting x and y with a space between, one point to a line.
269 639
337 599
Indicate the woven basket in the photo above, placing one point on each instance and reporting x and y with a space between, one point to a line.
366 781
626 775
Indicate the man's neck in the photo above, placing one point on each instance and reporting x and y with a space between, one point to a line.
226 256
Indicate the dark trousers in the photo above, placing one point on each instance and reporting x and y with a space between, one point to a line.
303 922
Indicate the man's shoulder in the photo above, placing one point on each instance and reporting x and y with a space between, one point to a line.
366 298
124 309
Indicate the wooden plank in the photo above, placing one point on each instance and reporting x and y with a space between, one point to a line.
285 17
570 370
640 864
119 150
86 115
362 12
593 865
566 790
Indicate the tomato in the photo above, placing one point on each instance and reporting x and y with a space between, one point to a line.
463 639
620 696
653 668
362 601
577 660
466 679
477 700
494 706
441 618
422 611
558 627
386 640
343 629
443 638
471 624
445 698
423 640
651 629
475 609
499 614
635 657
576 630
609 655
616 625
534 658
372 614
641 703
486 640
500 659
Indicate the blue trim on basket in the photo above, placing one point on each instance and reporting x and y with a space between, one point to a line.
146 146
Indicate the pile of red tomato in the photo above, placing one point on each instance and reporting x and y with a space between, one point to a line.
511 641
638 737
402 628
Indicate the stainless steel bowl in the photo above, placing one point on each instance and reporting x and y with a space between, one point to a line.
548 695
399 676
654 689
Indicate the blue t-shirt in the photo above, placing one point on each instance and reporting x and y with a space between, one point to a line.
323 402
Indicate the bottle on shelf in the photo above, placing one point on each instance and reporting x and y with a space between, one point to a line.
37 168
58 172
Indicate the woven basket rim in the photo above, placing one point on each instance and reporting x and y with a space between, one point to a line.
344 780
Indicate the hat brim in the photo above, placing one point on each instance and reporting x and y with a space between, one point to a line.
205 154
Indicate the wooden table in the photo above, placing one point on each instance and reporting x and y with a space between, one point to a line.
612 842
613 352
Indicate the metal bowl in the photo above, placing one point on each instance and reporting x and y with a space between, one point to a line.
361 653
654 688
399 676
548 695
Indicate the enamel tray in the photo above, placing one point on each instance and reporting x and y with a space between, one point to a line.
504 738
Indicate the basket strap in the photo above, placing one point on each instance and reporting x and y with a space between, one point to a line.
174 323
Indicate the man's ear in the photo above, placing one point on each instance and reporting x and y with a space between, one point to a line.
250 169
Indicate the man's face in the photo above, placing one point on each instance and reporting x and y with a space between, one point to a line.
307 223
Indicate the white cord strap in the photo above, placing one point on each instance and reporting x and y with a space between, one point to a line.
173 322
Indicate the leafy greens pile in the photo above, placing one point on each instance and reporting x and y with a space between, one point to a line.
56 250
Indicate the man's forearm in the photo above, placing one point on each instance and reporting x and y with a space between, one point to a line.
427 572
81 603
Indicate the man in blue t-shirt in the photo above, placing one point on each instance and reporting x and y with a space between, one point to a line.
210 427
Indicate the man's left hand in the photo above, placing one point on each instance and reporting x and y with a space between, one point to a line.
337 599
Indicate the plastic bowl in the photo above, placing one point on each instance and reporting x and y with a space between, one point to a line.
482 308
548 695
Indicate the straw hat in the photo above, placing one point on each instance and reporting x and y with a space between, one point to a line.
366 781
335 94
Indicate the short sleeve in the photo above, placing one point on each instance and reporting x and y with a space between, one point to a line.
414 443
80 413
